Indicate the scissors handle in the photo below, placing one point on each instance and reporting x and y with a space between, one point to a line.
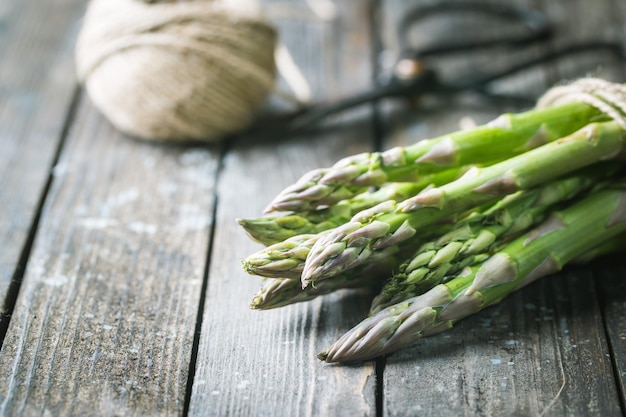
480 83
412 77
538 26
396 87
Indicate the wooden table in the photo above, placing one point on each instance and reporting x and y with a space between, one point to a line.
120 260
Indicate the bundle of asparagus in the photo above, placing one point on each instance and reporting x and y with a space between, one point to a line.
455 224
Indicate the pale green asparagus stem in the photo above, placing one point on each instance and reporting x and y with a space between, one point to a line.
473 237
508 135
279 292
275 228
286 259
281 260
391 223
272 229
610 247
566 235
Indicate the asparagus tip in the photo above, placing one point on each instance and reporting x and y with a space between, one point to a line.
256 303
245 264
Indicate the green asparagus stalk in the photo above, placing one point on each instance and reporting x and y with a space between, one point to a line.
566 235
471 239
283 259
506 136
391 223
274 228
271 229
286 259
279 292
609 247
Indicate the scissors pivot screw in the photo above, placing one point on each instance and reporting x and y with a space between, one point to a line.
409 69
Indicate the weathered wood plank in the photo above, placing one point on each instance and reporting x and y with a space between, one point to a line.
542 351
612 285
603 21
36 87
612 278
533 354
254 363
105 317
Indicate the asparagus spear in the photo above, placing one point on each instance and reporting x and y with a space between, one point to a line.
563 237
392 223
283 259
508 135
472 238
609 247
286 259
269 230
279 292
273 228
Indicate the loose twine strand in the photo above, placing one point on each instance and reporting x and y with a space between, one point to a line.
177 70
606 96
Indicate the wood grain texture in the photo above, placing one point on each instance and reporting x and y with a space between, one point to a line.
602 22
36 87
612 279
263 363
534 354
612 284
541 352
105 317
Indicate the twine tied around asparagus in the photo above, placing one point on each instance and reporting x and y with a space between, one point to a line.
176 70
606 96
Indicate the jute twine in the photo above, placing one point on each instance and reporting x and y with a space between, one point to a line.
195 70
608 97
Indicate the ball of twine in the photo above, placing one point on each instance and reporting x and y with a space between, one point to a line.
178 70
606 96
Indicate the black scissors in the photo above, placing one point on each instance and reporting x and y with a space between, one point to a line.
412 76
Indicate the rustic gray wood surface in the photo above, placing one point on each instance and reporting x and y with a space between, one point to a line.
120 259
265 360
36 91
